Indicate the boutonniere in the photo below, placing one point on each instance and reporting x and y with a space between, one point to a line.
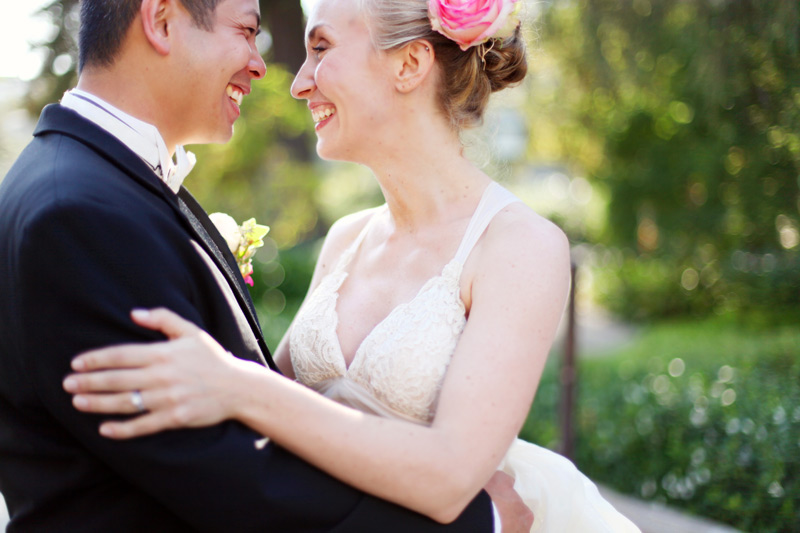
243 240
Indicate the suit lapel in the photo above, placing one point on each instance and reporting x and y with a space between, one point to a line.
215 245
58 119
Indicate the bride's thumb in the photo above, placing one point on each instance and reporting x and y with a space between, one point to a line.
165 321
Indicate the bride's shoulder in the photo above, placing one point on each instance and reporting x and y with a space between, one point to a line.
346 230
519 224
349 226
342 234
521 237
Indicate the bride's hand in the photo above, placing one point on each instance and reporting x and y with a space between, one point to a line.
186 381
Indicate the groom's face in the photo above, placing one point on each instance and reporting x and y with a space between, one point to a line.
214 70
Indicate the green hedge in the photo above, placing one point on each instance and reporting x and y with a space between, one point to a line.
700 415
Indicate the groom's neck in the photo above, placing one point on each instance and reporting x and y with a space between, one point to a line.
133 96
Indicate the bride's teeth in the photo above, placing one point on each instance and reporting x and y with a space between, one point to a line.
319 116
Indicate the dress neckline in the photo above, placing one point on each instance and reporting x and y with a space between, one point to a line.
451 272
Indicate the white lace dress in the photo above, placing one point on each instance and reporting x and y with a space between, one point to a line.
398 370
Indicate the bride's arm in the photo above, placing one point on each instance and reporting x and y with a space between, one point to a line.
517 297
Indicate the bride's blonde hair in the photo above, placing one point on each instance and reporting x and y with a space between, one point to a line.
468 79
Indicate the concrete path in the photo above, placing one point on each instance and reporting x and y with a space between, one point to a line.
652 517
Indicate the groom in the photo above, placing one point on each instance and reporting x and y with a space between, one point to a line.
93 223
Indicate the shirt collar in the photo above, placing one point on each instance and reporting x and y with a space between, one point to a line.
142 138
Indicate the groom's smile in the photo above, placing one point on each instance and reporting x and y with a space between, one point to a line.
236 94
217 66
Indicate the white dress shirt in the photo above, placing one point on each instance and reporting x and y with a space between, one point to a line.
142 138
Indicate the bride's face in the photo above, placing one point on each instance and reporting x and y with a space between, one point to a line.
346 81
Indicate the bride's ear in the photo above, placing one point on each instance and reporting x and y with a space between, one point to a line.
415 62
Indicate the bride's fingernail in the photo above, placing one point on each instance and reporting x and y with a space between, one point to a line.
80 402
141 314
70 384
106 431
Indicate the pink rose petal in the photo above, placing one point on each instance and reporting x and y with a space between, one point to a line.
471 22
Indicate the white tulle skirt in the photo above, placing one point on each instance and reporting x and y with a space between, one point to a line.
562 499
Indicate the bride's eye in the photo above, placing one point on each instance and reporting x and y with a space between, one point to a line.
318 50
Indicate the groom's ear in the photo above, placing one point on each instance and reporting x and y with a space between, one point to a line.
156 23
415 61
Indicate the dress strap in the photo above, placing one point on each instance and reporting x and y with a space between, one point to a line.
494 198
350 251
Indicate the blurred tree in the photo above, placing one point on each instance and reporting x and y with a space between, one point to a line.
286 23
686 117
60 65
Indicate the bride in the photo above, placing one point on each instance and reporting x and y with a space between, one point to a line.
435 311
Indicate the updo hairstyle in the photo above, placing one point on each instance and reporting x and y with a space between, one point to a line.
466 82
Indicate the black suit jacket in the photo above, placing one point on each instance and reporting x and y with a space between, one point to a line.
88 232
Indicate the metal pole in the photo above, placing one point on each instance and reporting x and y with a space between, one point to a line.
569 375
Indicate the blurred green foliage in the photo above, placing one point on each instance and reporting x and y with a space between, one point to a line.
685 118
701 415
254 174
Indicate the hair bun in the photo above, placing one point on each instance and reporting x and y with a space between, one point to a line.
468 77
505 62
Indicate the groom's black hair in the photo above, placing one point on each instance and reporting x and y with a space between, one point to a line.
105 23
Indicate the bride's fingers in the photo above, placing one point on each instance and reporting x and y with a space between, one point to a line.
165 321
140 426
108 381
125 403
120 356
122 403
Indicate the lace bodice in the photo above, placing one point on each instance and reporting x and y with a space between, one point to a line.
398 371
402 362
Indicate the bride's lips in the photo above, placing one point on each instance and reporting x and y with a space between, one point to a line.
322 113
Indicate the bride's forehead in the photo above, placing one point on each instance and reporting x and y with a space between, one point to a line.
340 11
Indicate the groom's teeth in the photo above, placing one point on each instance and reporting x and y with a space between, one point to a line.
320 115
234 94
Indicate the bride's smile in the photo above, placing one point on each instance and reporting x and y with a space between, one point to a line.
321 113
347 84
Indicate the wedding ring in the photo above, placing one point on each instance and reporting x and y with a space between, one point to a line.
137 401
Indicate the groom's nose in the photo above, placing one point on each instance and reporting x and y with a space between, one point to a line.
256 66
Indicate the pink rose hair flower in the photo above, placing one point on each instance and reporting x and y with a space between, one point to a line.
473 22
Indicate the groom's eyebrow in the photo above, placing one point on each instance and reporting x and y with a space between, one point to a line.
257 15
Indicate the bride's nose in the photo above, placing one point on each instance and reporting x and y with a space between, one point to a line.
303 84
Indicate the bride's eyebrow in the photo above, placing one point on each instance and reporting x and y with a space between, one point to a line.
313 32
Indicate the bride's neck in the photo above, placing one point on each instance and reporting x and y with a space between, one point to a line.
429 184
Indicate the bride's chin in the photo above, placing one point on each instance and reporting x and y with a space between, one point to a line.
327 154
